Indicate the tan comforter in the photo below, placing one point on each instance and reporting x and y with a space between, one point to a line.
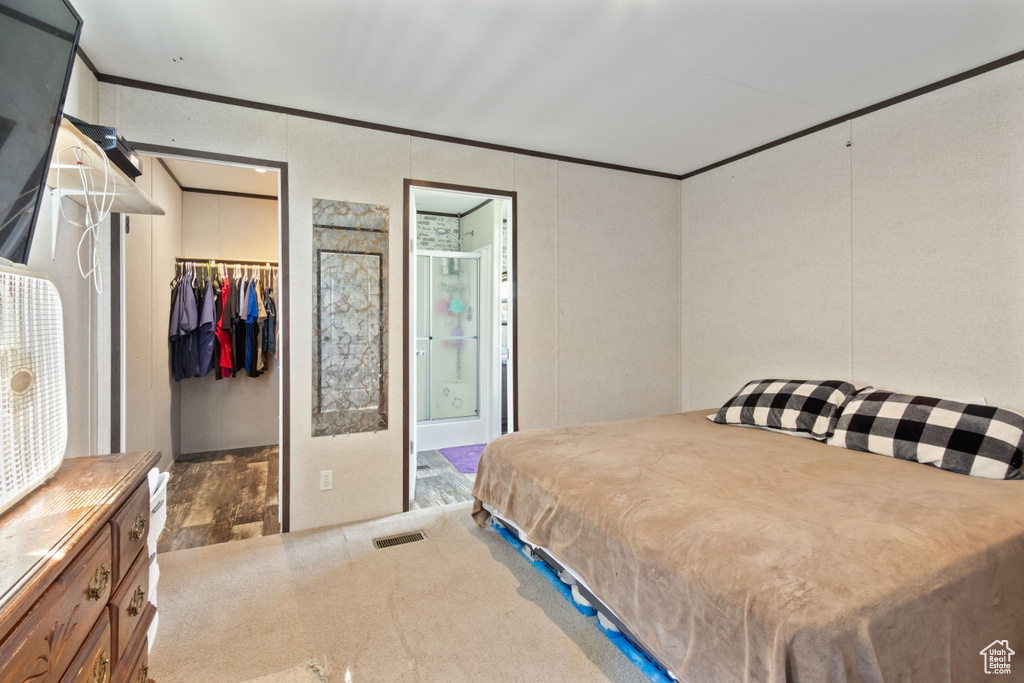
738 554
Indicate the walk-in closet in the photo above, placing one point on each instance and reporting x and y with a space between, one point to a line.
202 348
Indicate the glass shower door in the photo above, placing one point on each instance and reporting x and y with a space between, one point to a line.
420 308
448 337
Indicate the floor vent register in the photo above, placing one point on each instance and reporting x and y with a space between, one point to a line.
399 539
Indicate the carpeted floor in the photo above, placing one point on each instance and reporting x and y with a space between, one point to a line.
460 606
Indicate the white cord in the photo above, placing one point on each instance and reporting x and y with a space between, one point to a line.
96 203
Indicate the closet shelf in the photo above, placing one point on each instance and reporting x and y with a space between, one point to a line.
129 197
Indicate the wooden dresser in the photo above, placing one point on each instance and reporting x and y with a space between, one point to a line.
74 575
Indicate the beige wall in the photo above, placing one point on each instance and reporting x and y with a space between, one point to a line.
481 223
618 300
239 411
152 397
568 311
769 267
86 313
890 262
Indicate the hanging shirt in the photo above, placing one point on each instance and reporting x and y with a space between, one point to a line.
270 331
217 310
224 335
205 337
173 333
261 316
243 303
252 315
188 322
277 331
261 312
229 296
238 326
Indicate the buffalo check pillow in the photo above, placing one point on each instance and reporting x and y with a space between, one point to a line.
793 406
980 440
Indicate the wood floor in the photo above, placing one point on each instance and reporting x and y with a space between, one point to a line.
438 482
221 496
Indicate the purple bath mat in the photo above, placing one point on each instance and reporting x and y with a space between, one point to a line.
464 458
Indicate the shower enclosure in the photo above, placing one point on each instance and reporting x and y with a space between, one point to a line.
448 315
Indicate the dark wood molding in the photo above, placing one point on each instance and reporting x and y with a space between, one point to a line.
406 418
182 92
408 184
283 314
454 215
88 62
514 305
228 193
170 172
436 213
476 208
284 351
116 231
41 25
924 90
292 111
196 154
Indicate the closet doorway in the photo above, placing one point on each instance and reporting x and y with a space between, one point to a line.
205 355
460 349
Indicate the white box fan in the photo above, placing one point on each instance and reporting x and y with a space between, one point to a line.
33 402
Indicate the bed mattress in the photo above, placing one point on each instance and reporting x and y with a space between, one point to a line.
739 554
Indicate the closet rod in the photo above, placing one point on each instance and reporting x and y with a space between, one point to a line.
232 261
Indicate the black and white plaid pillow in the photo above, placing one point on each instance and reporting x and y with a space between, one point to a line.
799 407
983 441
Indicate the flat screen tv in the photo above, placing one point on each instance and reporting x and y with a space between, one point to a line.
37 50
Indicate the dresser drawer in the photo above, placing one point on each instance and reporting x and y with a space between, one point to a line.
130 527
94 663
52 632
128 606
137 666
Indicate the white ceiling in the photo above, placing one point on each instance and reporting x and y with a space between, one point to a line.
664 85
222 177
440 201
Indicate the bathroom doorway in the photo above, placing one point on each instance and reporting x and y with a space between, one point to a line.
460 344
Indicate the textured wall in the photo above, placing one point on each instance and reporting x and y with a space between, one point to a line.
353 164
482 224
890 262
938 218
86 313
426 232
239 411
83 94
618 300
152 397
769 271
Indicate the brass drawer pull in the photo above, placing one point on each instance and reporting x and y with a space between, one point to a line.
98 585
143 674
99 670
138 528
138 600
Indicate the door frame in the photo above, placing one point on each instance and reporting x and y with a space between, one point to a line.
407 250
283 314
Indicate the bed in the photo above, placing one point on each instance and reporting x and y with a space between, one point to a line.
740 554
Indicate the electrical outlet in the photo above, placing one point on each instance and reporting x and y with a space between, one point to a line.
326 480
